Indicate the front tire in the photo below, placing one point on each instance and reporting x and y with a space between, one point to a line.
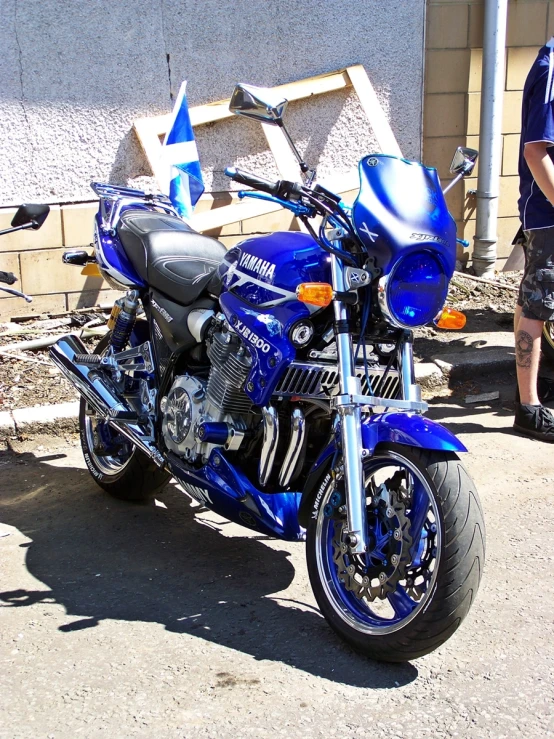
127 473
425 558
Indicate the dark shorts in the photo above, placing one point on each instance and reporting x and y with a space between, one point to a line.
536 292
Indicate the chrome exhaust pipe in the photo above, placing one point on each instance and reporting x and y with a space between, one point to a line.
99 392
269 446
297 434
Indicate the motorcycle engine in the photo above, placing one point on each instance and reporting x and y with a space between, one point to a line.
192 402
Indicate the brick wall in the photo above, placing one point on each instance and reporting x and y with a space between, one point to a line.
453 98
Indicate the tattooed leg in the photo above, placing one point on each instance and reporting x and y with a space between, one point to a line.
524 349
528 351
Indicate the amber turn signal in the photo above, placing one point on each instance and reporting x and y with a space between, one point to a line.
451 319
315 293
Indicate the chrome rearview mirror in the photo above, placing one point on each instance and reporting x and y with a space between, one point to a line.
267 106
463 161
258 103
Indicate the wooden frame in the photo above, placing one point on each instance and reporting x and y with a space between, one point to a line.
151 130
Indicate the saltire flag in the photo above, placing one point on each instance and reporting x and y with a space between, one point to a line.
180 153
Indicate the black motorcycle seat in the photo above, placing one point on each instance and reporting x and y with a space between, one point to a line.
168 255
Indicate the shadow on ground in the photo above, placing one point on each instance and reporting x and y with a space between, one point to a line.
478 322
105 559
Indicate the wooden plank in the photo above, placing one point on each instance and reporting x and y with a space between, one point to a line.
373 110
249 208
287 164
231 214
151 130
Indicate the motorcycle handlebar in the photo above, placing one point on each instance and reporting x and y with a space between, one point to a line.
252 180
8 277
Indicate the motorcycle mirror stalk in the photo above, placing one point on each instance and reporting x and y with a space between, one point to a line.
462 165
266 106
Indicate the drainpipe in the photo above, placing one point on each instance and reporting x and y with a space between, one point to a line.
490 137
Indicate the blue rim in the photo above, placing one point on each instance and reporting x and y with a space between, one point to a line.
360 613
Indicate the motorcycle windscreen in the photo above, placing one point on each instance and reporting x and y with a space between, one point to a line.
399 208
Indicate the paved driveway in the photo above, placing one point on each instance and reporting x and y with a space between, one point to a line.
163 621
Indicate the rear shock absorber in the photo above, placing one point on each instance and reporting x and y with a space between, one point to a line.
122 319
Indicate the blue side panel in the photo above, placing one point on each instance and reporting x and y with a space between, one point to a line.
266 334
400 209
111 257
225 490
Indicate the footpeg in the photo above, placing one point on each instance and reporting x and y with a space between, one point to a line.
90 360
123 416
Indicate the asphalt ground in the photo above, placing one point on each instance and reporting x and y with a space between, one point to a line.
165 620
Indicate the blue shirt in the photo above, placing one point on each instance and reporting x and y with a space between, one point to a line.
537 124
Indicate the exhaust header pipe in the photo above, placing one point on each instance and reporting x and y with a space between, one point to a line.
100 393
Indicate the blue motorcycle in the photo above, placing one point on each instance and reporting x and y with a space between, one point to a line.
275 382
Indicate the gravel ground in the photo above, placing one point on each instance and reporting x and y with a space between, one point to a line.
29 378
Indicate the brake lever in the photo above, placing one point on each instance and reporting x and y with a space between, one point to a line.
296 207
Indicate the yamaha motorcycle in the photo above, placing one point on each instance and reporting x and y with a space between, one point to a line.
26 216
275 382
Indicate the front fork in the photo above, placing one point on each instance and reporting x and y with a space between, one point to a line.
350 417
350 412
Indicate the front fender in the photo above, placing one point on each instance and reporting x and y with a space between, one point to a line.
410 429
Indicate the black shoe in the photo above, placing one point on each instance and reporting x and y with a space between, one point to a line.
535 421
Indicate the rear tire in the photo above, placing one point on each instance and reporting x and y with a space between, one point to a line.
421 606
547 342
132 476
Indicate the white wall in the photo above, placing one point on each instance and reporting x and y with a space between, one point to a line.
76 74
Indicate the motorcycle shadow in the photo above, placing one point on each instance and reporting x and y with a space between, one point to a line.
106 559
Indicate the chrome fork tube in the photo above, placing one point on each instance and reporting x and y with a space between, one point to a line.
410 389
350 416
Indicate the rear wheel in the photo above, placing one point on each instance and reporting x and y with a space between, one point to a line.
117 466
416 583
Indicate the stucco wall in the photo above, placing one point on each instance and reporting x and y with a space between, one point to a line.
75 75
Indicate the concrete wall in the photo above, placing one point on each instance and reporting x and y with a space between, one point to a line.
75 75
454 44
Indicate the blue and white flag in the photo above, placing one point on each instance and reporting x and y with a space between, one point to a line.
181 155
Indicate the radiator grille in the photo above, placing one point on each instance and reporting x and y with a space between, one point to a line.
322 381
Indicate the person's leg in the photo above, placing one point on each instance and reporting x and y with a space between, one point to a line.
535 305
528 352
517 316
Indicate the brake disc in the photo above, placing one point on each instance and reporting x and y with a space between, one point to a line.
419 577
378 572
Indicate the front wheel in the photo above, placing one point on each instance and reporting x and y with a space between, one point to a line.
426 548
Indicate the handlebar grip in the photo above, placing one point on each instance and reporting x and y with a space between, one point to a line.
8 277
252 180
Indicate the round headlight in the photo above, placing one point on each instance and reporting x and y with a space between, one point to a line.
415 290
